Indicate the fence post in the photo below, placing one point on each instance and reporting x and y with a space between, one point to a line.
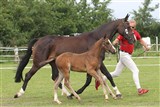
156 44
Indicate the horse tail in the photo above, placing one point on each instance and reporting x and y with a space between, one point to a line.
24 61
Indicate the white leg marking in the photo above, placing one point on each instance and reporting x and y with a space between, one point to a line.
116 90
64 90
103 84
20 93
56 87
56 98
62 87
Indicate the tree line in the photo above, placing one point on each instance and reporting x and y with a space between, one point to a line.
22 20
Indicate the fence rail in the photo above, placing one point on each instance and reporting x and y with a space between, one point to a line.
7 53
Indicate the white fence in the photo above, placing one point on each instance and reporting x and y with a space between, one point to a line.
7 53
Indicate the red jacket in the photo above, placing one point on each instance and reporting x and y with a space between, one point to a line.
125 46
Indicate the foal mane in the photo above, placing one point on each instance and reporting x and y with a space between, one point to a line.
97 46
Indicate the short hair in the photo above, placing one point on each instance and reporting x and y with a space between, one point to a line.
133 21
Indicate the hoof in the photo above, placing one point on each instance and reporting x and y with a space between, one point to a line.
115 98
16 96
119 96
70 97
107 100
57 101
79 99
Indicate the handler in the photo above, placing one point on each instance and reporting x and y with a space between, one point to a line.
125 59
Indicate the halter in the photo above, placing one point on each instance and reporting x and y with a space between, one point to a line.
126 30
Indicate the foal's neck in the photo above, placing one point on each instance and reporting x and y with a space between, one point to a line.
96 48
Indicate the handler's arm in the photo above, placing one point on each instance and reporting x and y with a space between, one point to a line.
115 42
144 44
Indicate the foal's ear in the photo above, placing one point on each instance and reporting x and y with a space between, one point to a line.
104 37
126 18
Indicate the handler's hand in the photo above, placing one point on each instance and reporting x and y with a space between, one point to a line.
147 48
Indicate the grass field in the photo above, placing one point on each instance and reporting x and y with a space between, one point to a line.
40 88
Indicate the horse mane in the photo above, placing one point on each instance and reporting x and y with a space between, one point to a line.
109 25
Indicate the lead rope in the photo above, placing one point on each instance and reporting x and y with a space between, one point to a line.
139 55
118 54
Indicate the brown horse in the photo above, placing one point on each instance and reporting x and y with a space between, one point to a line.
87 62
46 49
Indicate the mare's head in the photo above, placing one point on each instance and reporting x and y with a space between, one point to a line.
125 30
107 45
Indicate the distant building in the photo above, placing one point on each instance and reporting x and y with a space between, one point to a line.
75 34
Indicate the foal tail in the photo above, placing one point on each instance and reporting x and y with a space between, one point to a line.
24 61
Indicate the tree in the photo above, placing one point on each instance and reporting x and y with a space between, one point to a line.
65 16
22 20
93 14
146 24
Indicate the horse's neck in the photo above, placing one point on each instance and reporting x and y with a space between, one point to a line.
110 29
96 49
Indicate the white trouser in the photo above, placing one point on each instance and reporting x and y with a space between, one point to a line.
126 60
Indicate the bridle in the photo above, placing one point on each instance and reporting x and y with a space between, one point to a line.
126 31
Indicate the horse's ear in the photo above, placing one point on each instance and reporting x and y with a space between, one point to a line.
104 37
126 18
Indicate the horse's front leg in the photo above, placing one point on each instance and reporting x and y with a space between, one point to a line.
55 73
108 75
88 81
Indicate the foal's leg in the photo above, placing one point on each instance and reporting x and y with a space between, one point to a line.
60 77
108 75
98 78
105 83
28 76
68 85
55 75
88 81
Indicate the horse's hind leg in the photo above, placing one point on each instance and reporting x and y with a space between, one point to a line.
28 76
108 75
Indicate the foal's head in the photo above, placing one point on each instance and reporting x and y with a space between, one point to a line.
107 45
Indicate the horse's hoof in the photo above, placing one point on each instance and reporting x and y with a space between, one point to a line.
107 100
115 97
79 99
16 96
70 97
57 101
119 96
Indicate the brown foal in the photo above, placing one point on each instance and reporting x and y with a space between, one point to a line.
87 62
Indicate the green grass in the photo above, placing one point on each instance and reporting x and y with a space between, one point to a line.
40 88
